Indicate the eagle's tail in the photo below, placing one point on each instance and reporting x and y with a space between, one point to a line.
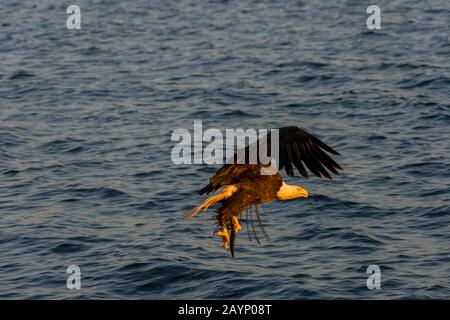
225 193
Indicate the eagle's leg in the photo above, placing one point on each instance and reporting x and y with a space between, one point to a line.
225 236
235 225
234 228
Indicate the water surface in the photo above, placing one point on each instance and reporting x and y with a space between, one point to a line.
86 118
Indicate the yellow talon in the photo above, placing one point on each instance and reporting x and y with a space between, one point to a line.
236 225
225 237
224 232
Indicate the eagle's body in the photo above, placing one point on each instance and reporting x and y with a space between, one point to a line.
243 186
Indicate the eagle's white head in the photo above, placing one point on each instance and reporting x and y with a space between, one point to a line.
288 192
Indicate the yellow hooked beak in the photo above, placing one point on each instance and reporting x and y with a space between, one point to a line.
302 193
289 192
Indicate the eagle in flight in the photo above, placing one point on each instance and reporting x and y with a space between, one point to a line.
242 187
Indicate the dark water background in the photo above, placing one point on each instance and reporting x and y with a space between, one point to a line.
85 124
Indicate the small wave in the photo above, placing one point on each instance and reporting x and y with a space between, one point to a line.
63 146
68 248
437 117
91 51
10 139
75 150
148 205
236 113
102 191
200 114
436 212
11 173
355 237
21 74
293 105
376 138
373 34
309 64
418 83
405 66
148 174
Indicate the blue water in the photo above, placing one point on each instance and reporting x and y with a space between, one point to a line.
86 118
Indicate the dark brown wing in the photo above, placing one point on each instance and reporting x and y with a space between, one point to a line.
296 148
231 174
299 148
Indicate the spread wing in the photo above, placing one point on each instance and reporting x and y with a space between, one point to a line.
299 148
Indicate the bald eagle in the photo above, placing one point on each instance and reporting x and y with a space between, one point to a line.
242 187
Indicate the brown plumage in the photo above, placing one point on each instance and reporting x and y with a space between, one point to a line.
243 187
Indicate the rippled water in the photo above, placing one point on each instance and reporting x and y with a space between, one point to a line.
86 118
